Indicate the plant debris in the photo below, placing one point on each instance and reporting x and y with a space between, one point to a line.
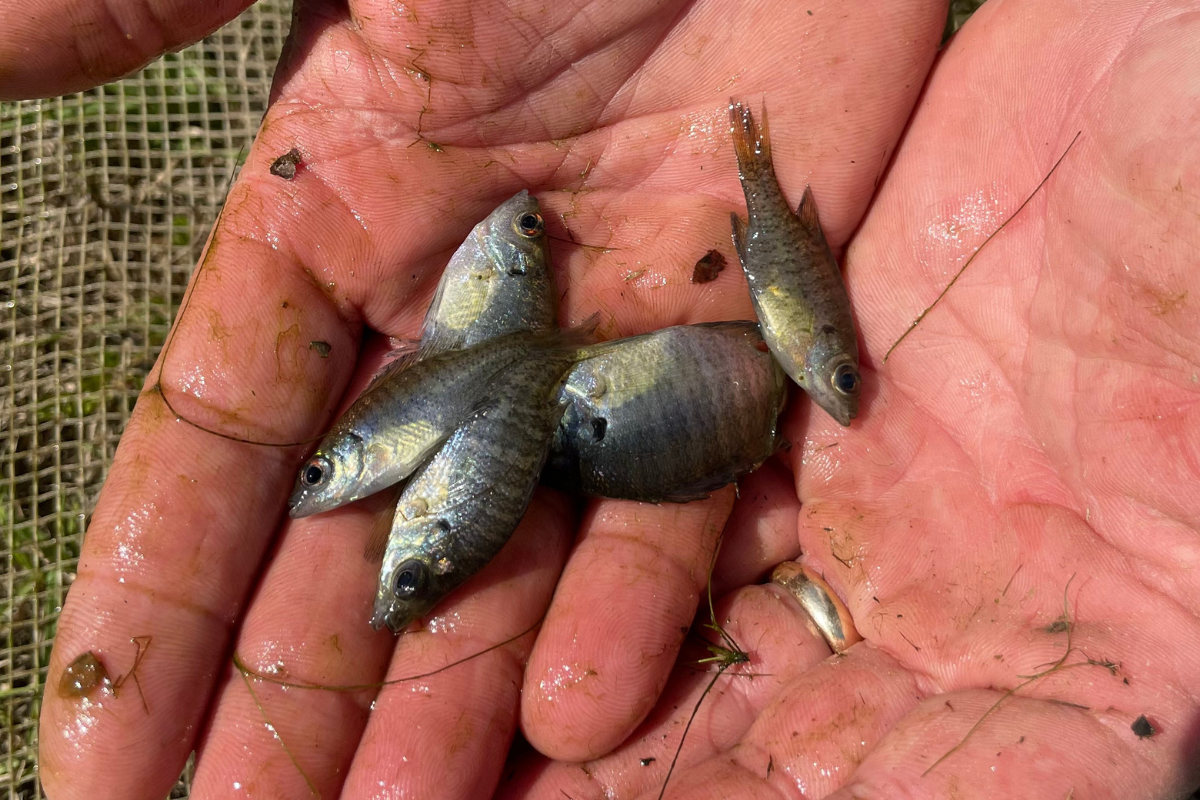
710 265
963 268
285 166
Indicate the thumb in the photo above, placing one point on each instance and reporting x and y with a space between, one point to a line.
52 47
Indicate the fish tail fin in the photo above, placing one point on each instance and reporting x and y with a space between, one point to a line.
751 141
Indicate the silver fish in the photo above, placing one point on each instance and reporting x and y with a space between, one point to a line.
669 416
795 282
498 281
459 510
405 415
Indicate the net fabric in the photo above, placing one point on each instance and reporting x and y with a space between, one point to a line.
106 199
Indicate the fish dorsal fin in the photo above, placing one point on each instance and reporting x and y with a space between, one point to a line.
807 210
395 360
384 507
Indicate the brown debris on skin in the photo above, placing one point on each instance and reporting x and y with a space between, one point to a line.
285 166
710 265
82 676
323 348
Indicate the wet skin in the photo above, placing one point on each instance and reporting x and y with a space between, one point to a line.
1040 425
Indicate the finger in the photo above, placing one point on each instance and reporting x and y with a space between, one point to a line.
780 646
761 531
54 47
813 734
185 516
622 609
445 735
307 624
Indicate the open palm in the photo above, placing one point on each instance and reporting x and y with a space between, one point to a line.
1022 478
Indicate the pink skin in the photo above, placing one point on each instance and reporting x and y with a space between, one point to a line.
1038 431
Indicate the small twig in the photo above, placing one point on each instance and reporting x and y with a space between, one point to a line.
962 269
358 687
266 721
725 656
1055 666
142 643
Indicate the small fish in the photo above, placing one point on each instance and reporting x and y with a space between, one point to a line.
795 282
407 413
669 416
498 281
459 510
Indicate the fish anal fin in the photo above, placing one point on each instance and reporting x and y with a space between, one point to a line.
739 235
807 210
395 360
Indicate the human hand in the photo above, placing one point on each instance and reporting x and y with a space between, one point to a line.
1021 497
620 128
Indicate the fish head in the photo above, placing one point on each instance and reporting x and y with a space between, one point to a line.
515 237
498 281
415 575
833 379
331 477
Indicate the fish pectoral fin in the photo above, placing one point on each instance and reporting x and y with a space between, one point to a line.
439 338
381 525
395 360
739 235
735 327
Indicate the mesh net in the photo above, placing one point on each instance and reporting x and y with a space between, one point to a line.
106 198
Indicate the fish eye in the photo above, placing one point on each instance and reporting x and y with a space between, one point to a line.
530 225
408 579
315 472
845 379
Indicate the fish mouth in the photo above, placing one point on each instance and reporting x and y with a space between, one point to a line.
297 502
391 615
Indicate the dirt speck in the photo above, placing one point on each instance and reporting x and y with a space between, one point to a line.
82 676
710 265
285 166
